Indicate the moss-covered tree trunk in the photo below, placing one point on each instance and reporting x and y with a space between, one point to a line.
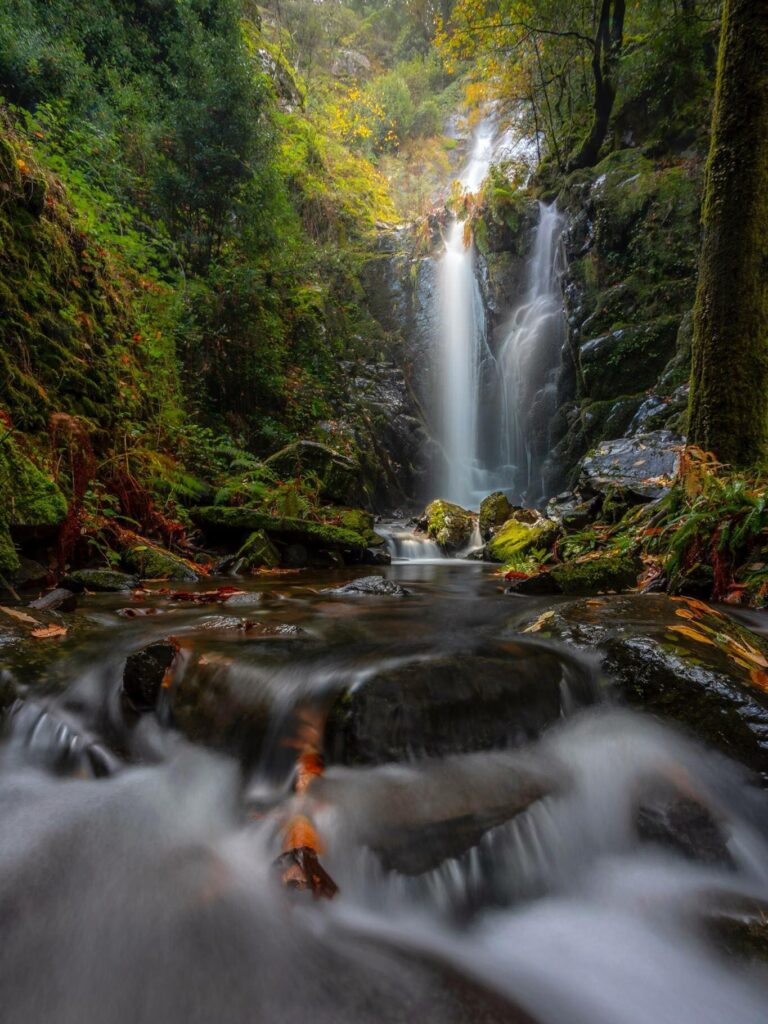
729 382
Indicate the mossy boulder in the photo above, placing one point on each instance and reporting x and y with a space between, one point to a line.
258 551
495 510
583 577
339 478
100 580
448 524
526 531
151 562
225 522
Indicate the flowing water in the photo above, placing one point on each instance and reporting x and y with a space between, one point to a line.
496 871
496 400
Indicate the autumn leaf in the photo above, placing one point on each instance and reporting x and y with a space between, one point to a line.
46 632
692 634
542 620
20 616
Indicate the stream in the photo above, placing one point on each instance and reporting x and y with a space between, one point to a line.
484 812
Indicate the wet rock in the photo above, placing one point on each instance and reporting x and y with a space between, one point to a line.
685 826
378 586
494 511
644 466
525 531
145 671
151 562
585 576
572 510
59 600
377 556
448 524
257 551
454 704
248 599
340 477
679 659
100 580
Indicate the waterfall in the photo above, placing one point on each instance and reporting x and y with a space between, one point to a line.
527 360
495 401
462 342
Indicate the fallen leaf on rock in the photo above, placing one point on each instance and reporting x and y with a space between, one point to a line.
20 616
45 632
692 634
542 620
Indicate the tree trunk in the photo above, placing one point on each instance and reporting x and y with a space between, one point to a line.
729 375
605 59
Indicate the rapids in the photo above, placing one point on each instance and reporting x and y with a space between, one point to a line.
509 883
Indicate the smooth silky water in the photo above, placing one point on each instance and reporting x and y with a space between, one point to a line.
136 883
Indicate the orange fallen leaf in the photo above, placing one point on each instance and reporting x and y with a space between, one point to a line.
20 616
692 634
300 833
45 632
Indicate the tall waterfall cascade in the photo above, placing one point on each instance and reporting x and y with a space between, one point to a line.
495 397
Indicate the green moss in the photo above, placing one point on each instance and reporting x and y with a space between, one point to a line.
494 510
596 575
448 524
516 538
28 497
155 563
257 551
9 559
250 519
338 477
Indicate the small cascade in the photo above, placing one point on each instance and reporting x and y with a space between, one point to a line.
406 545
528 358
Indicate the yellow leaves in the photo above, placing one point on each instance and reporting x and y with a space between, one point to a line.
541 622
23 166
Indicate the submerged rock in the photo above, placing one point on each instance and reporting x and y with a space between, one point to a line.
643 466
449 525
680 659
379 586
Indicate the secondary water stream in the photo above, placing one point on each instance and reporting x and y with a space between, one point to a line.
481 813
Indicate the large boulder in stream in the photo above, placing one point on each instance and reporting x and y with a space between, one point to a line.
496 698
678 658
448 524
